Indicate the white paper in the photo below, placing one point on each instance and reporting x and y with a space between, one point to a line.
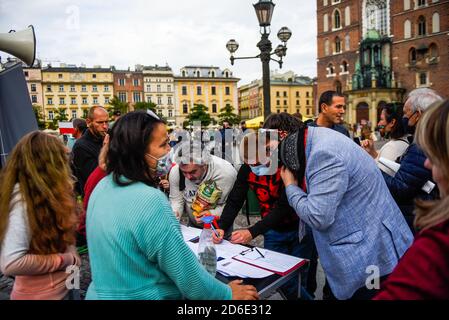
231 267
189 233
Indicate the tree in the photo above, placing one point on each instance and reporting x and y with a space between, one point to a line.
39 118
227 114
60 116
145 106
198 113
117 105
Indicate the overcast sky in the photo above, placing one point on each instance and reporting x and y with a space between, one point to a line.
149 32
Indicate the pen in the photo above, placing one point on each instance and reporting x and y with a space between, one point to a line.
215 231
259 252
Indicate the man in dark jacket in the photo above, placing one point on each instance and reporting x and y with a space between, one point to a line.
407 185
86 150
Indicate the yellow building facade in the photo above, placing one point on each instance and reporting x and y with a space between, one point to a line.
208 86
76 90
289 93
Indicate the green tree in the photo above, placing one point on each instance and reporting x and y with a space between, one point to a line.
198 113
117 105
39 118
227 114
145 106
61 115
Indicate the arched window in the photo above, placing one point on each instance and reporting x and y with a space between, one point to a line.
344 66
421 26
227 74
347 42
407 29
337 45
347 16
337 19
326 23
183 73
406 5
412 56
326 47
212 74
433 53
436 22
421 3
330 69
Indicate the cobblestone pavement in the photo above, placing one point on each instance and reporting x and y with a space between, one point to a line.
85 274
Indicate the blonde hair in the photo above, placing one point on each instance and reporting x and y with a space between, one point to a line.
39 165
433 138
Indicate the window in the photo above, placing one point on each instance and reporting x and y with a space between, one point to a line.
48 87
33 87
285 93
326 23
61 88
72 100
433 53
212 74
50 115
214 91
347 16
285 102
106 88
121 82
412 56
198 90
278 102
169 102
307 102
198 74
183 73
74 114
25 73
159 100
83 88
407 29
338 87
406 5
84 101
325 2
158 88
307 94
122 96
60 76
94 76
347 42
33 99
136 82
436 22
337 45
61 101
330 70
421 26
170 113
184 90
94 88
344 66
297 94
423 79
185 108
136 97
421 3
227 91
308 111
326 47
297 102
106 100
227 74
95 100
278 94
214 108
148 98
169 88
72 88
337 21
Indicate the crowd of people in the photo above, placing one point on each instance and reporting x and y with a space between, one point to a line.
322 197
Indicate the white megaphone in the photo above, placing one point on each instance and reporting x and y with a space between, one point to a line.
21 44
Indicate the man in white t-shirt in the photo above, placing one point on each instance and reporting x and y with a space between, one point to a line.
193 167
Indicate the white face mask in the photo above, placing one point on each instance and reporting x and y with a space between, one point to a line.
163 165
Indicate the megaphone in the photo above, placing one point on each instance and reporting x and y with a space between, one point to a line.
21 44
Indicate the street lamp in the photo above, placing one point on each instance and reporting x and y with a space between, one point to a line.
264 11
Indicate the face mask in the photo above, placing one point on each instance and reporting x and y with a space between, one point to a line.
408 129
261 170
163 164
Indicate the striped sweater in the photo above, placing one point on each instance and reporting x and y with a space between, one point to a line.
137 251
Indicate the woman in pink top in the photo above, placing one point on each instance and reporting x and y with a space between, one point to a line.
37 218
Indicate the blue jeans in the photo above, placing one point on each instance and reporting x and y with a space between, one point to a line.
288 243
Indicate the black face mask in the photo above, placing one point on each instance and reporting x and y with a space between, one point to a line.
408 129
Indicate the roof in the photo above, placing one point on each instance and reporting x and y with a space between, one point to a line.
75 69
205 72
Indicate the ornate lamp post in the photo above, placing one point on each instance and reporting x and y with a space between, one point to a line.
264 11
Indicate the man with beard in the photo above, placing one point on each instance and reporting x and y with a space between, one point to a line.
86 150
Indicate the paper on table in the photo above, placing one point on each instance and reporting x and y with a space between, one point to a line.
231 267
273 261
189 233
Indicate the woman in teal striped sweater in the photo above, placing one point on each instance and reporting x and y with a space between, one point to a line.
136 248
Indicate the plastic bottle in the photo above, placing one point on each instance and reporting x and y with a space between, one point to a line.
206 248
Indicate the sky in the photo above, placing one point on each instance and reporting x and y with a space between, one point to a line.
174 32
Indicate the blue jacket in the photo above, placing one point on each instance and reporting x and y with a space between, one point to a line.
355 222
406 185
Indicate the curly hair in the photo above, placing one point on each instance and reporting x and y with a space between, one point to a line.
39 166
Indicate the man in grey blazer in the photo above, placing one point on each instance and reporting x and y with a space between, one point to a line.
359 231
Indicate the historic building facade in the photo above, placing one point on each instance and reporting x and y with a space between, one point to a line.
128 86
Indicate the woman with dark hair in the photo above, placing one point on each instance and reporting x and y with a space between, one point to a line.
38 219
423 272
136 248
391 126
